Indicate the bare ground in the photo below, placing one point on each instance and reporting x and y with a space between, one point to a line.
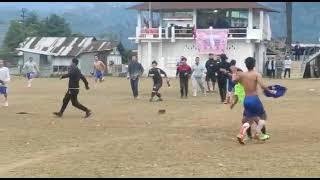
127 138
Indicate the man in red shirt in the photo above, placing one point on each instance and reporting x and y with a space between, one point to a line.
184 72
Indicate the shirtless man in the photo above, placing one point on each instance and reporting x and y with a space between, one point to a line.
99 68
253 108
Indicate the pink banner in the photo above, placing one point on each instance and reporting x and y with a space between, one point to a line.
211 40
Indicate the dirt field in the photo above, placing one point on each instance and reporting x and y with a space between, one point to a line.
127 138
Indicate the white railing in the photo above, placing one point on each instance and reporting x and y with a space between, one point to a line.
173 33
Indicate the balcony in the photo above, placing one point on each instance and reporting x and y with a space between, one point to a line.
174 33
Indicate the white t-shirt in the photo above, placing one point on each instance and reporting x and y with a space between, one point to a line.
198 70
4 75
29 67
287 64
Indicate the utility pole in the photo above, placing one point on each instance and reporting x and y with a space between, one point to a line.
289 26
23 15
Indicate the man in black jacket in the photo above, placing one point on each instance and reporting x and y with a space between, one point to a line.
74 76
212 68
135 70
222 77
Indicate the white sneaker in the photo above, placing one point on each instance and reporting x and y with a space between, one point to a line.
6 104
29 85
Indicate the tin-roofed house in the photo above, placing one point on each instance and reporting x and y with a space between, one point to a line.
54 54
168 30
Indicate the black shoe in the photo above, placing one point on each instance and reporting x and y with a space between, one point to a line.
58 114
88 113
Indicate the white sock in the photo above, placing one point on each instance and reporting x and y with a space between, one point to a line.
244 128
260 125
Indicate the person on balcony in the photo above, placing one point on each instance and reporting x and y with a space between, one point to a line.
297 51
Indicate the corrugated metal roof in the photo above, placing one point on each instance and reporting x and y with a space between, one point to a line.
101 45
65 46
200 5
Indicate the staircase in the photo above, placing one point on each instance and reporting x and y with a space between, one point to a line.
296 72
310 55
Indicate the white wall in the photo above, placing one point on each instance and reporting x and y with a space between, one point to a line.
115 58
61 61
36 57
171 53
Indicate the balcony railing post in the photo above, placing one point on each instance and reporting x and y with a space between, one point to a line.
173 34
167 32
138 30
160 32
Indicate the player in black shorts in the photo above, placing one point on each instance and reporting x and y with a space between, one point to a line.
155 73
212 69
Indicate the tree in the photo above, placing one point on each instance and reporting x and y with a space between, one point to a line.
110 36
55 26
31 19
14 36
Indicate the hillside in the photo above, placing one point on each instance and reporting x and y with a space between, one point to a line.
99 18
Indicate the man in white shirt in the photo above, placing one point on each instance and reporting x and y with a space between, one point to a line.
198 76
4 79
30 69
287 66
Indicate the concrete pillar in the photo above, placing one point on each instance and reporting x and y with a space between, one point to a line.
194 18
250 19
173 38
261 20
149 60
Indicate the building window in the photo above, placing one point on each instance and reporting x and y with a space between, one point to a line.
222 18
44 60
60 69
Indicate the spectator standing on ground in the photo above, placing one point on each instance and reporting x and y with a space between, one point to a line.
198 75
212 69
135 70
279 68
287 66
184 72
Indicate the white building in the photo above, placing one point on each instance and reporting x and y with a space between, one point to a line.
248 24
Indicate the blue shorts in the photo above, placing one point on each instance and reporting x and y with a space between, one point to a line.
253 108
99 74
3 90
230 85
30 75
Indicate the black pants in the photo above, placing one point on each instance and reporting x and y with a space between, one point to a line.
285 72
297 57
134 86
271 73
155 89
222 83
72 94
184 87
